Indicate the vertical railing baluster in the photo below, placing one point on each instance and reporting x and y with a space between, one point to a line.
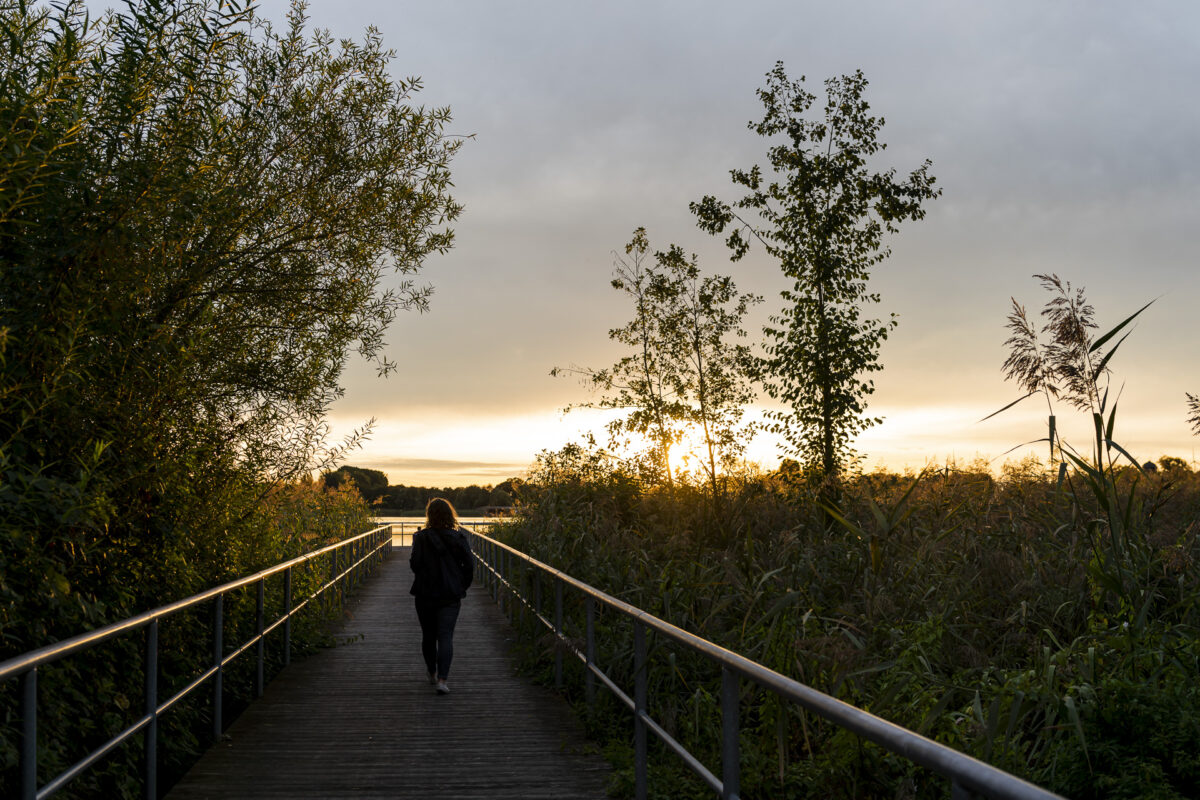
639 710
287 616
590 691
150 742
477 561
337 588
492 582
511 596
730 725
29 749
521 596
260 646
558 633
218 655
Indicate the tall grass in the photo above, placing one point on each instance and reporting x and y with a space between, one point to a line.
989 613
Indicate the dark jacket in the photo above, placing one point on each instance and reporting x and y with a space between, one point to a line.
441 561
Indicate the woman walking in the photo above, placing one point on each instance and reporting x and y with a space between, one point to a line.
441 560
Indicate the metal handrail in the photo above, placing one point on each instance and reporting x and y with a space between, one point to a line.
968 776
365 550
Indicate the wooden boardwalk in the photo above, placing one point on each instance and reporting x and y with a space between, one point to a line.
361 720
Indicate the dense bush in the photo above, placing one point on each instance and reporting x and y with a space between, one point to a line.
86 699
198 217
995 614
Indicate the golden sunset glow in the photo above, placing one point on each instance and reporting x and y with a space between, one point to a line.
1021 112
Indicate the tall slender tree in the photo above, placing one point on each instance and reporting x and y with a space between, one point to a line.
702 326
822 217
639 383
683 367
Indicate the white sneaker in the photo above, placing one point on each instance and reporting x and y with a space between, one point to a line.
442 688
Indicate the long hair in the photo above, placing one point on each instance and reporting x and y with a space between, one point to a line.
440 514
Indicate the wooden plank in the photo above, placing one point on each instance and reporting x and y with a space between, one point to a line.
361 720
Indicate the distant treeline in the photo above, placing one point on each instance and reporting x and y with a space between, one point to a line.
373 486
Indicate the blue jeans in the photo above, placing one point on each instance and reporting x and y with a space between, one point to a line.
437 633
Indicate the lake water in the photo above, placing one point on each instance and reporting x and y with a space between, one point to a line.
404 527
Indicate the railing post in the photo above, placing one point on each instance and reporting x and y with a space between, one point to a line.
259 647
639 709
337 587
558 633
493 584
590 691
521 595
150 782
29 754
287 616
510 594
218 655
730 751
500 562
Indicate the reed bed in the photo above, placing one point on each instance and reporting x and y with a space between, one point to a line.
1012 617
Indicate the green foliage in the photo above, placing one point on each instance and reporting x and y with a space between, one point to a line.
86 699
823 218
961 605
198 213
371 483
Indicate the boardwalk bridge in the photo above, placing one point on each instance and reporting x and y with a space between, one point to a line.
360 720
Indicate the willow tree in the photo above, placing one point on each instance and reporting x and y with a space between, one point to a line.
822 215
197 215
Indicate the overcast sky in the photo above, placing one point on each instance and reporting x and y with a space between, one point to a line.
1063 134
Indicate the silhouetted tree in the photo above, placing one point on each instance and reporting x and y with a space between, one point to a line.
823 218
684 366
